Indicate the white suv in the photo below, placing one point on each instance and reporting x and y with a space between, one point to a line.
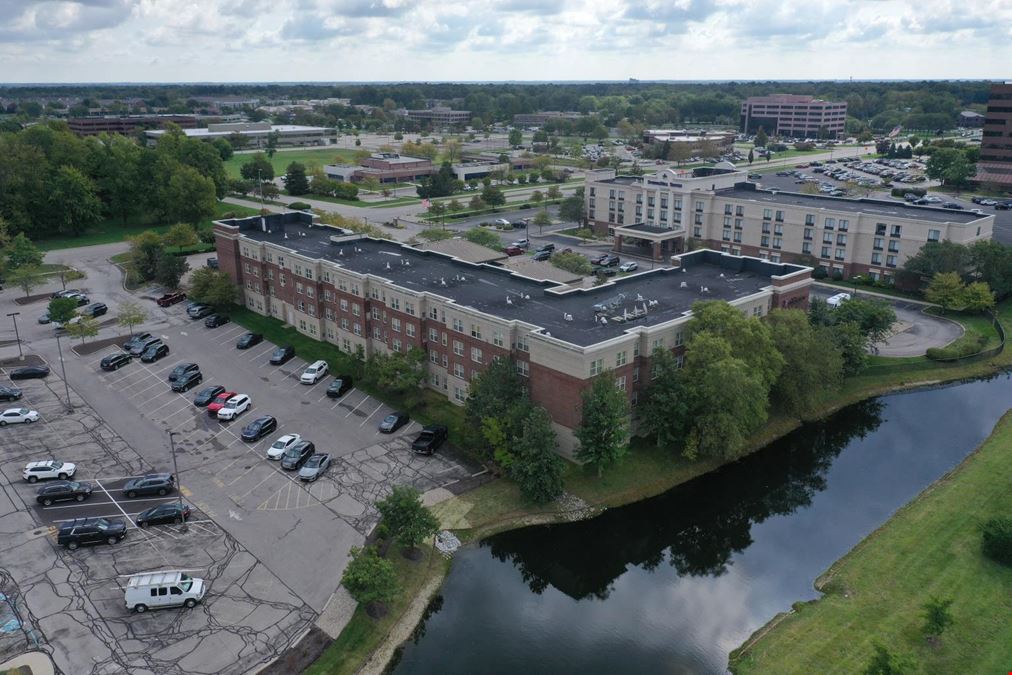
278 448
234 406
18 416
51 468
314 372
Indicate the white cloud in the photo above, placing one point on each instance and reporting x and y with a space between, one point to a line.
502 39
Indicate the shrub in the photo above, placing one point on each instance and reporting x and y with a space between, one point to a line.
900 192
584 233
996 541
968 346
837 275
300 206
820 273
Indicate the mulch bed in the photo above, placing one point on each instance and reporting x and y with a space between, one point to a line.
15 362
27 300
97 345
300 656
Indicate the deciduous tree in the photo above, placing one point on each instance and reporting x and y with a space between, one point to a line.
180 235
406 519
369 578
945 289
26 277
73 205
604 425
20 251
169 269
83 327
748 337
130 314
977 297
213 287
483 237
937 616
663 412
62 310
536 467
812 363
493 196
398 372
258 167
296 182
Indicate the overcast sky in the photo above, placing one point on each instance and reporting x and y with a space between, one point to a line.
343 40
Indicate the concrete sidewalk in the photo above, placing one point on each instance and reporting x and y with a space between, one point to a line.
38 662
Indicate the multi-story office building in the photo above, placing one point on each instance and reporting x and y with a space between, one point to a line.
440 117
540 118
379 296
655 215
257 134
793 116
127 124
386 167
995 163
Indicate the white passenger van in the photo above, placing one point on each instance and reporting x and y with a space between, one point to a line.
838 299
169 588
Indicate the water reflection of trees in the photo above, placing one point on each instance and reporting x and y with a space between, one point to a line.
697 526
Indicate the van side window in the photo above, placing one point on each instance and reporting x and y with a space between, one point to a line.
175 591
154 592
163 591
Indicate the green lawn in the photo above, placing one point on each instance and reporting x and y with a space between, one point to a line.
310 157
931 547
114 230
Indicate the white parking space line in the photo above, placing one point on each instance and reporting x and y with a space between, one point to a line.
263 353
250 491
371 414
352 411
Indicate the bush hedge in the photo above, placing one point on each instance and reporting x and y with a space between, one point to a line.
300 206
996 541
961 349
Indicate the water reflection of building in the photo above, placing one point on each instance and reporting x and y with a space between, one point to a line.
696 527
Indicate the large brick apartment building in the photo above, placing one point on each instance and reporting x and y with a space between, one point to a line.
381 296
656 215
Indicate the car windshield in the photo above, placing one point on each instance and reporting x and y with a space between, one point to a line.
185 582
313 462
75 485
390 419
55 465
310 371
102 525
293 452
280 443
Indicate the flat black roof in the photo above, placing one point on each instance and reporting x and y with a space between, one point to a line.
667 293
872 207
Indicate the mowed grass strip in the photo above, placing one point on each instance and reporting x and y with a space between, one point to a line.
309 157
931 547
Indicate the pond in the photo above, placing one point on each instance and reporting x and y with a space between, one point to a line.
674 583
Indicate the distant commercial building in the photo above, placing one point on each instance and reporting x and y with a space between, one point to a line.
995 163
440 117
372 296
970 119
793 116
386 167
656 215
256 133
127 124
539 119
723 140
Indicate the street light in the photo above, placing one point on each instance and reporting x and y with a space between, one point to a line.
63 368
14 316
175 470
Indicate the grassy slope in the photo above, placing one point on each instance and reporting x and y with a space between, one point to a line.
280 161
113 230
930 547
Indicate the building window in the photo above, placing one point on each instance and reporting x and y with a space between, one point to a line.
737 223
780 216
844 225
434 357
458 325
620 383
827 237
476 355
699 207
726 235
765 241
830 223
810 220
433 335
841 253
409 329
658 344
697 232
357 329
934 235
876 258
767 214
841 239
880 229
395 303
896 231
522 345
877 243
497 339
806 248
808 233
777 242
778 228
679 339
377 333
596 367
825 252
890 261
737 236
620 359
458 347
459 394
727 221
894 246
766 228
739 210
458 370
523 369
356 310
397 345
395 325
728 209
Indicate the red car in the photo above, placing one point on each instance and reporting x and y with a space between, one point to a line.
513 250
214 406
171 298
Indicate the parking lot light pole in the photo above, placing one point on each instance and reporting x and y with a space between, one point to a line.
14 316
175 471
63 369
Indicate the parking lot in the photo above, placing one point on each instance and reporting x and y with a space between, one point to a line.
271 546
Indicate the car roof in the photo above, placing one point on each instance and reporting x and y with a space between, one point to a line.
261 420
238 397
44 462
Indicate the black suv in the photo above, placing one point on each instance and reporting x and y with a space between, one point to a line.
297 455
152 484
141 346
216 320
609 261
546 247
259 428
10 394
248 340
182 369
95 309
64 491
140 337
207 394
155 352
339 387
187 381
91 531
429 440
115 361
282 354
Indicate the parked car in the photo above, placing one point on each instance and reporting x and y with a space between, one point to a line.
282 355
297 455
502 222
340 386
521 243
519 224
234 407
1003 206
247 340
18 416
115 361
212 263
170 298
29 372
216 320
64 293
952 205
393 422
187 381
280 446
313 372
259 428
609 260
152 590
207 394
95 309
10 394
546 247
215 405
159 484
541 256
628 267
44 318
605 271
199 311
83 531
140 337
50 468
163 514
81 298
315 467
63 491
141 346
430 440
155 352
513 251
